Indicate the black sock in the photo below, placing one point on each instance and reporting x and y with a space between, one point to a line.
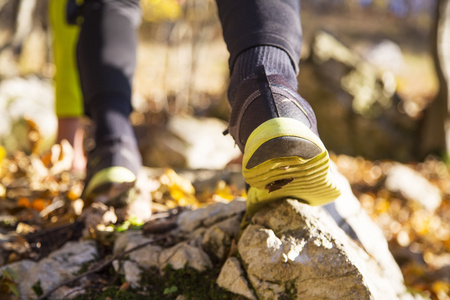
275 61
111 119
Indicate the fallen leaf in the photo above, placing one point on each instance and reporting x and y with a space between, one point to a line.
39 204
23 202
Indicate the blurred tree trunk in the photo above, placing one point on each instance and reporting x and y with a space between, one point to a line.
435 129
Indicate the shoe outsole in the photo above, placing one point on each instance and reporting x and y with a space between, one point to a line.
289 175
112 181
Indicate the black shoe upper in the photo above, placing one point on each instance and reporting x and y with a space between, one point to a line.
261 98
119 152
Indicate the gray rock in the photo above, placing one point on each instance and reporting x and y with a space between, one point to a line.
132 273
146 257
216 242
413 186
138 260
190 220
187 142
58 267
350 217
232 278
207 147
205 179
124 239
231 225
184 254
163 150
222 212
19 268
297 251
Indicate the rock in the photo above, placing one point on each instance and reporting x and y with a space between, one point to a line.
224 211
189 220
296 251
187 142
164 149
352 101
126 238
145 257
413 186
184 254
350 217
232 278
207 147
138 260
58 267
206 179
132 273
19 268
215 241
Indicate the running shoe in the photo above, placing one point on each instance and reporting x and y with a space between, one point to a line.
111 172
284 157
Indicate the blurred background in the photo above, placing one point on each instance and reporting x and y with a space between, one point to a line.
367 68
375 72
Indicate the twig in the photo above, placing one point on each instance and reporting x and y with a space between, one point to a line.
96 269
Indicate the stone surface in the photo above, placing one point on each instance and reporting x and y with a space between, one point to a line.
137 261
187 142
413 186
232 278
350 217
145 257
132 273
20 268
190 220
289 248
59 266
216 242
184 254
206 147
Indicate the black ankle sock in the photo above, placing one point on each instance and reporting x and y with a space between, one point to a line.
275 61
111 120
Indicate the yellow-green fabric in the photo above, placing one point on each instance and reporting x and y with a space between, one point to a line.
68 97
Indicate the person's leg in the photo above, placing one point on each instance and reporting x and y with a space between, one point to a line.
106 55
68 98
272 125
72 130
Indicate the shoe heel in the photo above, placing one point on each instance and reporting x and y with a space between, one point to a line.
284 158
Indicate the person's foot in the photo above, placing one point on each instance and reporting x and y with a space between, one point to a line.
111 172
276 130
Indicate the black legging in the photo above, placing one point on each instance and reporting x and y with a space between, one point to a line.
106 51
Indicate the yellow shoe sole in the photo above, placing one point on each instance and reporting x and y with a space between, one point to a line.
306 178
112 181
